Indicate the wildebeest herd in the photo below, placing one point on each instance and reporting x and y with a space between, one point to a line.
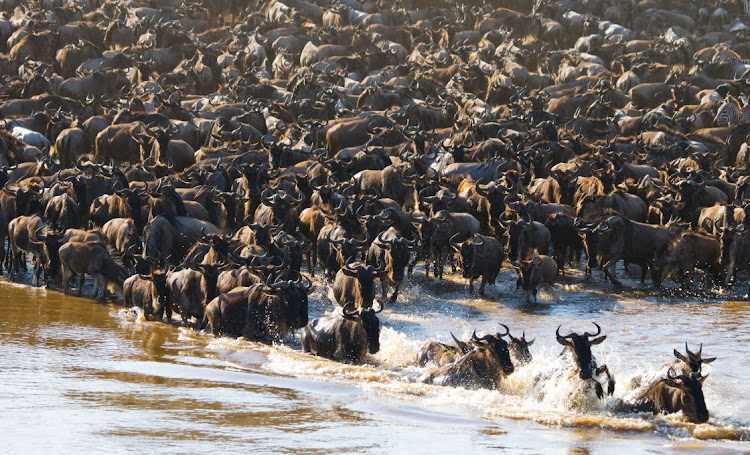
198 156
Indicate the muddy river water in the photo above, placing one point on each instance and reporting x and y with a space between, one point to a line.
84 377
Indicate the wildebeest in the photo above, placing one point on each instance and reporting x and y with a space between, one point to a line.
535 272
29 234
525 236
264 311
82 258
392 253
479 257
485 366
354 284
149 293
620 238
441 353
675 393
689 251
345 337
579 347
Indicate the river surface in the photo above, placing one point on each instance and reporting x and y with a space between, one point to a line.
80 376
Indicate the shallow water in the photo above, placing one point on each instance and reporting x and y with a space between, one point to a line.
79 376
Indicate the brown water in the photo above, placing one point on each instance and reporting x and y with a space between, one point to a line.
78 376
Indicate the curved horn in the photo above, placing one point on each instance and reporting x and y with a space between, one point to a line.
598 331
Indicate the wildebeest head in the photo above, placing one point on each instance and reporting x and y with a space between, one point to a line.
517 236
294 247
365 276
580 347
370 322
693 360
51 241
590 236
210 274
347 248
295 295
520 348
141 265
400 252
261 233
728 236
498 347
692 400
442 227
158 277
496 193
468 252
441 199
280 202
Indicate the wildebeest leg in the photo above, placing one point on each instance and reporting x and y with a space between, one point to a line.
598 389
11 264
313 259
611 264
625 266
439 264
395 291
610 379
65 279
655 274
471 286
481 286
81 280
728 280
716 274
385 294
37 272
95 294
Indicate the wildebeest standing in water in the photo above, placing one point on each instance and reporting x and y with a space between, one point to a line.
346 337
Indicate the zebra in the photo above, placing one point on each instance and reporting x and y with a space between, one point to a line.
730 113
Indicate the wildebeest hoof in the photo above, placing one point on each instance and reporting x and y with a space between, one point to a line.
599 391
611 388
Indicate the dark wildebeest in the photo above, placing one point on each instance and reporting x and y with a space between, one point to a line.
479 256
444 226
354 284
566 243
83 258
392 253
638 243
675 393
345 337
735 251
173 236
534 273
525 236
440 353
264 312
689 251
149 293
579 346
485 366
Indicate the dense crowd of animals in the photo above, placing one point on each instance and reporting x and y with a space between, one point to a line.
209 158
